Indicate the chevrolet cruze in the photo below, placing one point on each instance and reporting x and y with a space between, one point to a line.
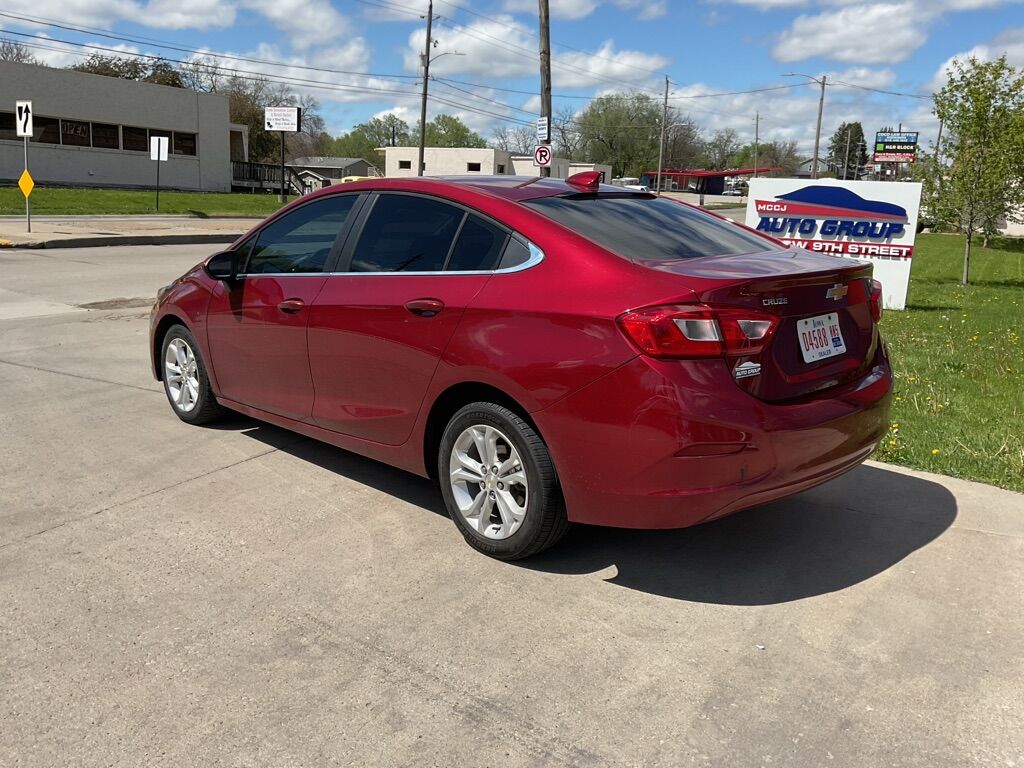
549 351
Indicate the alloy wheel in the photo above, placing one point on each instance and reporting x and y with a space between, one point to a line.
488 481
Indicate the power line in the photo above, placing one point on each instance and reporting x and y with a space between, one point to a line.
249 75
879 90
42 21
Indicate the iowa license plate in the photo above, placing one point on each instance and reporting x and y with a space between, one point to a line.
820 337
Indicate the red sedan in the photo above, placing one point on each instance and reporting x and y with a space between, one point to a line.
548 350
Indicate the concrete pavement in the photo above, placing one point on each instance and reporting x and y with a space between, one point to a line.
240 595
97 231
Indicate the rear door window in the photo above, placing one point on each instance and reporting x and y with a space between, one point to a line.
650 229
406 233
479 246
301 241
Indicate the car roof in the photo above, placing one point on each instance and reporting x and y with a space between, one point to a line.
514 188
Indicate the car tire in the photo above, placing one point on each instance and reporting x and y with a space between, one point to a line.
514 512
190 395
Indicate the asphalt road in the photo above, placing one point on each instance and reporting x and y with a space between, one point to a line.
241 596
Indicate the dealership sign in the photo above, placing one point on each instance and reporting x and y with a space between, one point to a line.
870 220
891 147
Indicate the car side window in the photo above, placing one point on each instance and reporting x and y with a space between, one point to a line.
516 252
300 241
404 233
478 248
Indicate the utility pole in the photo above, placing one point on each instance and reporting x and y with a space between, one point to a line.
846 157
817 131
545 71
757 139
426 79
661 146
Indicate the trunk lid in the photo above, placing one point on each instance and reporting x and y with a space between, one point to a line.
795 285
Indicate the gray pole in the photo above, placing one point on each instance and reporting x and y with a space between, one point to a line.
757 139
545 71
846 157
283 197
817 131
158 178
426 79
28 206
661 146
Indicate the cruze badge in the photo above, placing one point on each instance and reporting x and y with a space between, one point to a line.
836 292
775 301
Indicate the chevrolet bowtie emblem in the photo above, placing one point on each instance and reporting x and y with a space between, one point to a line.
836 292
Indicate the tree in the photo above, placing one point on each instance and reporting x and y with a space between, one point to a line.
247 98
622 130
519 140
977 176
770 154
720 149
18 53
136 68
364 139
449 131
847 151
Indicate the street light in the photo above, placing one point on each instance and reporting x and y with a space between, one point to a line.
426 59
821 104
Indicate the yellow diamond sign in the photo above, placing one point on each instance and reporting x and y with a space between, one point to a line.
26 183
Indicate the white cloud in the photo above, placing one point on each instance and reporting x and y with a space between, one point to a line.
1009 42
188 14
867 34
306 22
649 9
560 9
98 13
862 76
763 5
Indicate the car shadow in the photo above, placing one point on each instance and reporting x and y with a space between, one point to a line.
820 541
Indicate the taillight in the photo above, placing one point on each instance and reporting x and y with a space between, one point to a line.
688 331
875 300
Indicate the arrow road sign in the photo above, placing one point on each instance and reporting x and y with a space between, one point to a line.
24 118
542 156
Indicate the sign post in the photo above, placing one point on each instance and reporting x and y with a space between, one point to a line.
866 220
23 119
285 120
158 146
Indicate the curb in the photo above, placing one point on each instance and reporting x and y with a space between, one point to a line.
110 241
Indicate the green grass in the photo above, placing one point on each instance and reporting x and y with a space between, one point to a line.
89 201
958 356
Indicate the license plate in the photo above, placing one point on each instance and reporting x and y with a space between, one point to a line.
820 337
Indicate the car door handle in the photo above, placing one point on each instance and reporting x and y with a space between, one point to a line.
425 307
291 306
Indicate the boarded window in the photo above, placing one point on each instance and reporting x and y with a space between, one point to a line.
135 139
473 167
184 143
106 136
405 165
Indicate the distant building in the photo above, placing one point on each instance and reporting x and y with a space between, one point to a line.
805 171
318 172
92 130
486 161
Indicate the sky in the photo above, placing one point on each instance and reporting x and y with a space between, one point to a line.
361 58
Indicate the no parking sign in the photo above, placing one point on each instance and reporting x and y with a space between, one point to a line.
542 156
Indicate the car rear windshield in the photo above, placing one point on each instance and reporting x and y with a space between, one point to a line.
650 229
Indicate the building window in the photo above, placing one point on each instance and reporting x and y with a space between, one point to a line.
7 130
74 133
501 168
405 165
135 139
46 130
184 143
473 167
106 136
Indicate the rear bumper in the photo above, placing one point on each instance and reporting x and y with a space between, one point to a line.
669 444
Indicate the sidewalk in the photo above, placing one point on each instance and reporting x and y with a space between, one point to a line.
98 231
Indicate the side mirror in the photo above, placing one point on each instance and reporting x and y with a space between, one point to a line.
223 266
